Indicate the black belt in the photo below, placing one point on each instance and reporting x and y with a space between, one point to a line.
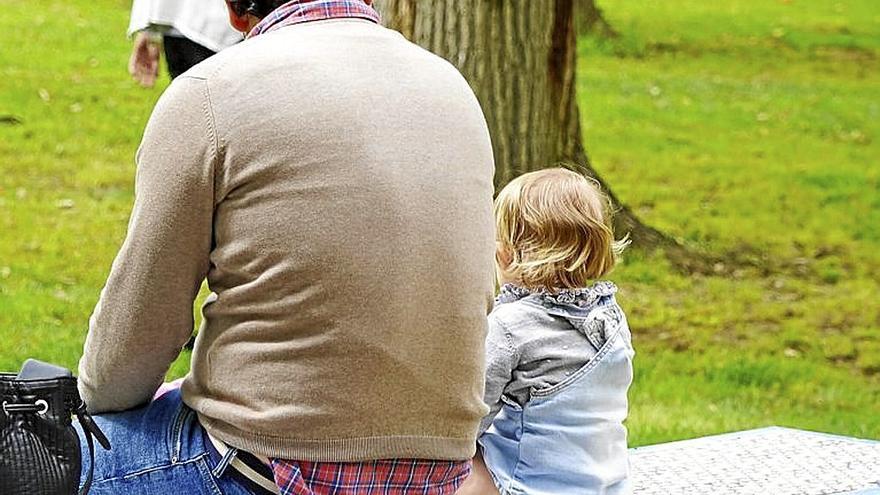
228 464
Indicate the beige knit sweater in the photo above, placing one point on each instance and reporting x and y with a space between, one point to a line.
333 182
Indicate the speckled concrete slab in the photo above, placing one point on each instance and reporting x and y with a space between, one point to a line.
766 461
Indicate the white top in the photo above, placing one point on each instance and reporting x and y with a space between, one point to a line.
205 22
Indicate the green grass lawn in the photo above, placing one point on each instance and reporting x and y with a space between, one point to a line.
748 130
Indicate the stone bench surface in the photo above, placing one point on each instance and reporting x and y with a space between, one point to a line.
766 461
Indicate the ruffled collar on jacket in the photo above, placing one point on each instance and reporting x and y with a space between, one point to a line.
582 297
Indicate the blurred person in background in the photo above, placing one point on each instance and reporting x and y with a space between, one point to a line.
189 31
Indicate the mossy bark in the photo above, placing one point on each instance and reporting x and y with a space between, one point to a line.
589 19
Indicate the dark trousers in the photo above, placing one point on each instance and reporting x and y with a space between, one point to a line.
182 54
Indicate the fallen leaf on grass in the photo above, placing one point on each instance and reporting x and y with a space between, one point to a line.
10 120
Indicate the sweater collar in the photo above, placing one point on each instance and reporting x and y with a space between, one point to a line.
299 11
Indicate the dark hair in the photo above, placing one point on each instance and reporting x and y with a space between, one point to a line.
257 8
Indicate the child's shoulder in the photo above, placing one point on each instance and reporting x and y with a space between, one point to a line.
514 314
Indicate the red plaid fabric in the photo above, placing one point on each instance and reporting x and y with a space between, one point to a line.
387 477
298 11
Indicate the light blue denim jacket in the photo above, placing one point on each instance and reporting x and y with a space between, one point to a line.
566 434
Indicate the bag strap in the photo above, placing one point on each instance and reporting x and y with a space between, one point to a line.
84 490
90 430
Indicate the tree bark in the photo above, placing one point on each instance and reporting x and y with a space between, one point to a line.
520 57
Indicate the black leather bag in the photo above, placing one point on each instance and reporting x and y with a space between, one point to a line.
39 448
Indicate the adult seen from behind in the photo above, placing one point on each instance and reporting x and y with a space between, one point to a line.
333 183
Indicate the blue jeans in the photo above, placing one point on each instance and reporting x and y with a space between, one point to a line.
160 449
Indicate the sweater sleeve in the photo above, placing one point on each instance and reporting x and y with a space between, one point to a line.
501 359
144 315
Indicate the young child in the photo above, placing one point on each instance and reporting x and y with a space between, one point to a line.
559 352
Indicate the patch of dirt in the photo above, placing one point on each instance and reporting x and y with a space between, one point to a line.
845 53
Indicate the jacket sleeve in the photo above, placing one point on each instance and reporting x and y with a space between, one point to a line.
501 360
145 312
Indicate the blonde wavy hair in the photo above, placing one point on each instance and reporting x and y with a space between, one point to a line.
555 227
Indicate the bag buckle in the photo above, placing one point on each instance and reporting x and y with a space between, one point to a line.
40 407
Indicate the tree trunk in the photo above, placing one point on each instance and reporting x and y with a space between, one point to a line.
519 62
519 56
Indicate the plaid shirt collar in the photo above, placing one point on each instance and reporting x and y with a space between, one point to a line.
298 11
